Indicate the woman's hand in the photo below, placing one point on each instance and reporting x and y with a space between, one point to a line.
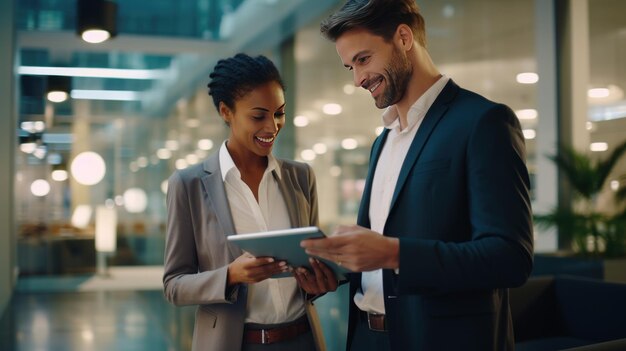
247 269
320 281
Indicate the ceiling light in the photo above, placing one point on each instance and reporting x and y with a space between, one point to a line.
598 93
58 88
135 200
96 20
88 72
40 187
81 216
349 89
28 148
111 95
332 109
33 126
301 121
598 147
320 148
603 96
142 162
526 114
349 143
95 36
40 152
88 168
527 78
29 143
181 163
205 144
59 175
171 145
57 96
615 185
529 134
308 155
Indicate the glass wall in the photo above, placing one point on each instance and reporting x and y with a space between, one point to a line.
164 120
150 114
138 107
607 82
482 45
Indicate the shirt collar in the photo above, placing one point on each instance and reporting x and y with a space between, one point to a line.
227 164
418 109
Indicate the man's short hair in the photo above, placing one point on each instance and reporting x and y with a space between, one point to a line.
380 17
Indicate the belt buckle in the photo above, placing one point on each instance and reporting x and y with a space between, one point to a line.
264 337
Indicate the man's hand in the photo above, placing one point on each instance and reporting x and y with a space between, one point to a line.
356 248
320 281
248 269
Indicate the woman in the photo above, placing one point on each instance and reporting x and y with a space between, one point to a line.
242 188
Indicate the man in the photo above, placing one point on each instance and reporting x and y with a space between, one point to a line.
447 188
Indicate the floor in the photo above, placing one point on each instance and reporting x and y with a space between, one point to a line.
95 320
123 311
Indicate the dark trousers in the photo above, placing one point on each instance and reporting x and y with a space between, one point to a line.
368 340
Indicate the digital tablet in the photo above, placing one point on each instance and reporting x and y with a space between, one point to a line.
284 245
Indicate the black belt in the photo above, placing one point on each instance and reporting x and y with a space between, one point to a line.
375 321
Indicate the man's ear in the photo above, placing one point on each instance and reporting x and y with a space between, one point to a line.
225 112
404 37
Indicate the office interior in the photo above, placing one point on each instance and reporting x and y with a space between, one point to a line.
137 109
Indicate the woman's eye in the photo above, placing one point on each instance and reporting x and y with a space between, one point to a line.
279 114
363 59
258 118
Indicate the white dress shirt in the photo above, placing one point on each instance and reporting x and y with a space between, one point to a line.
271 301
392 157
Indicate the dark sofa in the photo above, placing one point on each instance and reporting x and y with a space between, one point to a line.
566 312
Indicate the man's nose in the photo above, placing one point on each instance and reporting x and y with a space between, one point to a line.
359 78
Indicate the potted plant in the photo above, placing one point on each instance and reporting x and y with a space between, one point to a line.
593 231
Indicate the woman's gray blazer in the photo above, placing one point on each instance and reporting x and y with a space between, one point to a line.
197 253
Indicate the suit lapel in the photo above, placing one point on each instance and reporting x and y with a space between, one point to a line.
214 186
434 114
364 208
288 189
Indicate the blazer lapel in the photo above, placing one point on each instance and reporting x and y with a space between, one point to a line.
364 208
288 189
434 114
214 185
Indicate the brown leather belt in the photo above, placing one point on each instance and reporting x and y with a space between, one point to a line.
272 335
375 321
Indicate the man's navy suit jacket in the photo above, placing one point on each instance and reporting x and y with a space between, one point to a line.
461 210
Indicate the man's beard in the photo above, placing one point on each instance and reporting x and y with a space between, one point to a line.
397 77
